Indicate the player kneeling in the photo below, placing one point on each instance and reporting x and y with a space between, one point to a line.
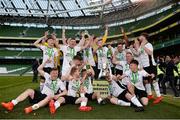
74 88
39 99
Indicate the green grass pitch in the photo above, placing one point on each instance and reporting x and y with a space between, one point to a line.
10 87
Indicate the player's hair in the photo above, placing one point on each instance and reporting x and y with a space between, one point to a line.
94 37
129 53
120 43
54 69
171 56
145 35
49 37
73 69
86 36
73 39
77 57
134 62
83 70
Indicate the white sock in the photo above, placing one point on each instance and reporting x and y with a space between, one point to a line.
148 89
41 86
56 104
99 100
15 102
123 103
82 95
156 89
83 103
100 73
35 106
135 101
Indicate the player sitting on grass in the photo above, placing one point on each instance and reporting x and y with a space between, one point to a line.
74 88
88 75
120 95
135 77
52 86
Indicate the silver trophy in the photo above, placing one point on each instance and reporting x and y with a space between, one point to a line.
104 70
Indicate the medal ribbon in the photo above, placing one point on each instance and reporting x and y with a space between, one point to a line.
87 52
72 52
53 85
134 77
50 51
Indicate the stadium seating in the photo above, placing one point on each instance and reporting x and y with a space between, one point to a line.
38 32
167 43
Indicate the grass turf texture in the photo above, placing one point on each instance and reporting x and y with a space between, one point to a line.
10 87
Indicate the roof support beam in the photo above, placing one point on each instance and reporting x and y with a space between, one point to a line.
53 9
80 7
64 8
39 6
56 4
47 13
4 6
26 6
14 7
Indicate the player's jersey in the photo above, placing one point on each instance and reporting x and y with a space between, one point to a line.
68 54
137 78
125 66
73 88
88 85
51 87
115 89
120 57
144 57
49 53
88 56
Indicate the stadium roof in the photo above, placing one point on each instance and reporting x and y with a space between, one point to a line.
60 8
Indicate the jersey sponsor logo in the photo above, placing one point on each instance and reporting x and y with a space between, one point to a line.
75 86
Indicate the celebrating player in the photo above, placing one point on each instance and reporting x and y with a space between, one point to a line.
74 91
52 88
50 54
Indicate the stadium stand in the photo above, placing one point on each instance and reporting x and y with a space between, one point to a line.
32 32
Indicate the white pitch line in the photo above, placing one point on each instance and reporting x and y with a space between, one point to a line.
17 69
